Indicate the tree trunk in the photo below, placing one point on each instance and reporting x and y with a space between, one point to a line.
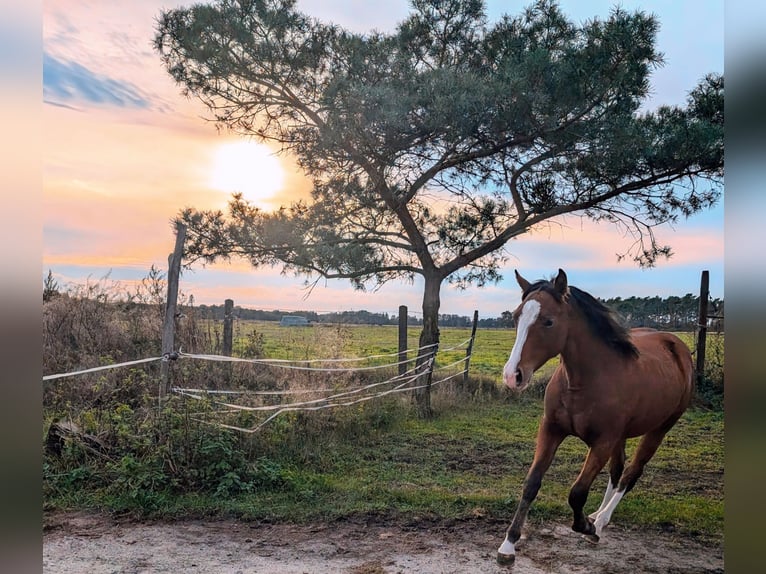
428 336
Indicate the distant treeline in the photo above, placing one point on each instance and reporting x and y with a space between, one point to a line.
671 313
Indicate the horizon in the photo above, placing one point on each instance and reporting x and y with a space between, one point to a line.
391 313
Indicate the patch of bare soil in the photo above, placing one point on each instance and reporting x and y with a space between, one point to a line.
97 544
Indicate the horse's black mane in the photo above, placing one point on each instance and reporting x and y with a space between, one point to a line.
604 322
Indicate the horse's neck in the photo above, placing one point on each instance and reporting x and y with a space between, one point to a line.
583 356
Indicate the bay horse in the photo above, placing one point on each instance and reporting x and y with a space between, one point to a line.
611 384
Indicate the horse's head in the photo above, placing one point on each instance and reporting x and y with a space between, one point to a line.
542 321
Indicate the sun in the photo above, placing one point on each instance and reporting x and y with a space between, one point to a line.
249 168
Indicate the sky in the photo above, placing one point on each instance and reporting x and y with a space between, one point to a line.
124 151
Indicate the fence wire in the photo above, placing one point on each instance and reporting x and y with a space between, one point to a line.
333 401
402 382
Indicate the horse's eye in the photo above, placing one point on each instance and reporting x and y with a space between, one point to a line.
547 322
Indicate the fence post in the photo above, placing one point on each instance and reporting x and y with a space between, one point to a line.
402 339
169 326
702 326
228 322
469 350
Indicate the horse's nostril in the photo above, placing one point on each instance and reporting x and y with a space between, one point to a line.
519 376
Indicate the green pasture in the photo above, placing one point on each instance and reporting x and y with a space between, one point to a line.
330 341
490 351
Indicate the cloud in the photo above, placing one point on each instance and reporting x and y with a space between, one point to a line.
70 82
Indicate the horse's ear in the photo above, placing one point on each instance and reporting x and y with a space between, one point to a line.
523 283
560 283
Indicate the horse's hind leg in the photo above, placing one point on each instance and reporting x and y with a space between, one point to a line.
616 466
548 440
648 445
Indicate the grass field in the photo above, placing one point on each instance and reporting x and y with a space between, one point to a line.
375 458
469 461
490 351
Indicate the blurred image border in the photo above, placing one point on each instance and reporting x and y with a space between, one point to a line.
745 276
20 336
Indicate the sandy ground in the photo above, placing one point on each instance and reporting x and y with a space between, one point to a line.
97 544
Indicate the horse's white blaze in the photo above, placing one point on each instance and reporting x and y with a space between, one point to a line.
527 317
607 497
603 517
507 548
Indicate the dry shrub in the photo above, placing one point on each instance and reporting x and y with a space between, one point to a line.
101 323
82 329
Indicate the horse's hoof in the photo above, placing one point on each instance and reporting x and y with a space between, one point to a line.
505 559
592 538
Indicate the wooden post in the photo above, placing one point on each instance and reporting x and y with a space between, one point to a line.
402 339
228 322
469 350
702 326
169 327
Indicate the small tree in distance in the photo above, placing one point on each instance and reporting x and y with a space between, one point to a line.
431 147
51 287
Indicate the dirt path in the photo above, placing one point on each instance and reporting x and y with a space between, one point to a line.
95 544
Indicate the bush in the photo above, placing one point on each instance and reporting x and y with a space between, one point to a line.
148 459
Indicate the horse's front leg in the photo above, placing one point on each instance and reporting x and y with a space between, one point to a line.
597 457
548 440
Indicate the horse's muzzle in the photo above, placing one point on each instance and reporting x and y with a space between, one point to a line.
515 380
